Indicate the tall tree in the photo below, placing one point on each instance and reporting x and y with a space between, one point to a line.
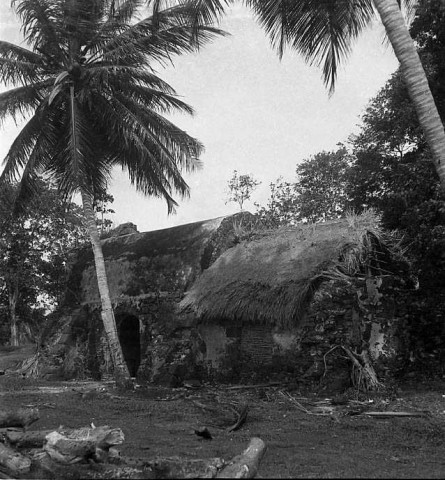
35 250
319 193
96 102
323 31
321 185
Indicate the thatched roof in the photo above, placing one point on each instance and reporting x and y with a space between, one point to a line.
272 278
166 260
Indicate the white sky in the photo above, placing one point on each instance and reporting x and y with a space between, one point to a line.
254 113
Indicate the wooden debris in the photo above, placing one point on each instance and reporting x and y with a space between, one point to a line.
192 384
177 467
18 418
241 418
73 446
89 453
205 407
28 439
317 410
262 385
395 414
245 465
14 461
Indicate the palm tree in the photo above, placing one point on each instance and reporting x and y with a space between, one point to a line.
323 31
95 102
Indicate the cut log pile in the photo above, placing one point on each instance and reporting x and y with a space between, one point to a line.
91 452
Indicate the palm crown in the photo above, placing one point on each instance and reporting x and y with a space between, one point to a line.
93 98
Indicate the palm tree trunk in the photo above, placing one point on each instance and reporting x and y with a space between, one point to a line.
415 80
12 300
121 372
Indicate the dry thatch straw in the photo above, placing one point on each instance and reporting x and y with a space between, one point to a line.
272 278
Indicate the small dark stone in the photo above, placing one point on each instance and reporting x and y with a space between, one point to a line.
204 433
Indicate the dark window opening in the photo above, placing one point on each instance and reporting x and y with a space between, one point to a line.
129 337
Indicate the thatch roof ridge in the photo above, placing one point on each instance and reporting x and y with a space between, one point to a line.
272 277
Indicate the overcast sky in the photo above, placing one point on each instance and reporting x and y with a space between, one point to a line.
254 113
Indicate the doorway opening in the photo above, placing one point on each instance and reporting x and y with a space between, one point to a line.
129 337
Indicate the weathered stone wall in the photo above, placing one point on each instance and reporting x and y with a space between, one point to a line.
149 274
362 315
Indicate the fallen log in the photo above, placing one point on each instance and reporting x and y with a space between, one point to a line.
245 465
44 467
89 453
13 461
176 467
26 439
74 446
18 418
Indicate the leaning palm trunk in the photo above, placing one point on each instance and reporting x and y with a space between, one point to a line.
415 80
14 339
121 372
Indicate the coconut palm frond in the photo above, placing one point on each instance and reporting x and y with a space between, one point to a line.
41 26
104 74
107 108
274 17
147 154
159 38
14 71
21 149
153 141
17 103
20 54
116 20
185 149
148 179
130 121
320 30
155 99
77 162
28 158
203 13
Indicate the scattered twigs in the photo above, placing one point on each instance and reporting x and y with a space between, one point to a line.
28 367
396 414
262 385
316 410
324 358
204 407
240 413
363 374
242 417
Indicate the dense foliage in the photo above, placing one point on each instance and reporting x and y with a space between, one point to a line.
35 251
387 165
319 192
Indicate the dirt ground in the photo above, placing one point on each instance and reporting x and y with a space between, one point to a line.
338 442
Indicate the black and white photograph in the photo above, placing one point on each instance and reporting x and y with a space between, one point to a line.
222 239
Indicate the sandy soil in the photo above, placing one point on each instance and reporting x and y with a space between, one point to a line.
340 444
